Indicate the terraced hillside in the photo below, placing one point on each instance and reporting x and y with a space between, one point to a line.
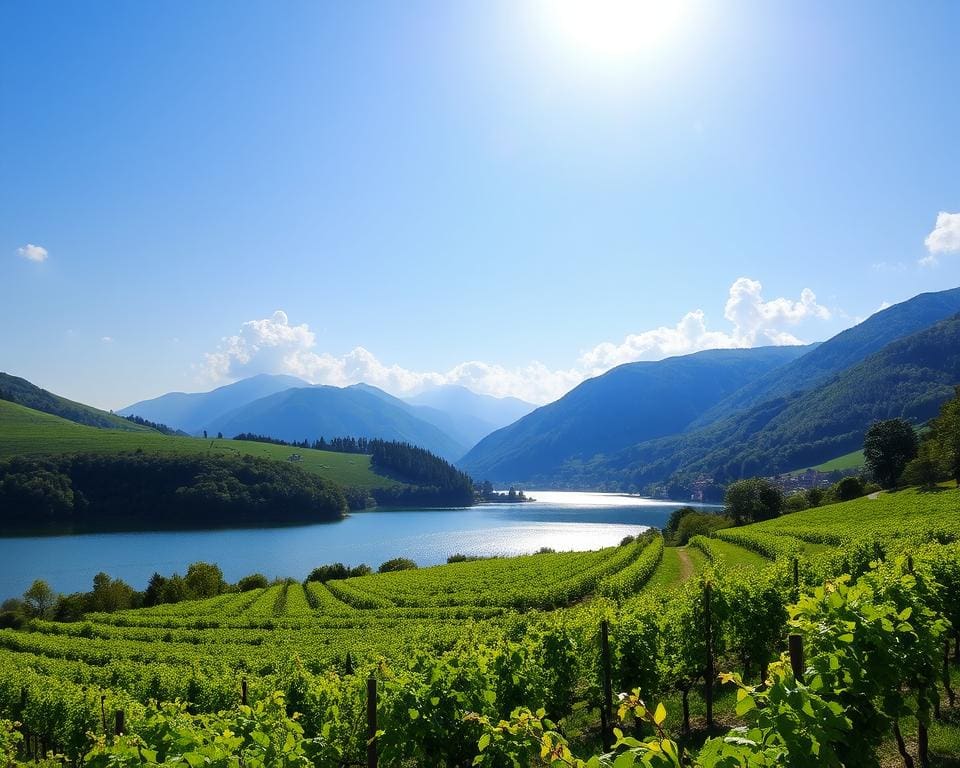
481 636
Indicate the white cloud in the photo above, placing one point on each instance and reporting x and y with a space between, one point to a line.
273 345
107 339
945 238
754 320
32 252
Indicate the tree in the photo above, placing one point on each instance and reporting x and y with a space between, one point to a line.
748 501
673 522
849 488
253 581
39 599
204 580
397 564
888 447
945 435
110 594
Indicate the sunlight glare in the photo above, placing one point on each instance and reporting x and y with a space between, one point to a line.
615 29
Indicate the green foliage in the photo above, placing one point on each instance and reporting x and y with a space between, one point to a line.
253 581
847 489
39 599
261 736
749 501
325 573
138 488
796 502
887 448
700 524
397 564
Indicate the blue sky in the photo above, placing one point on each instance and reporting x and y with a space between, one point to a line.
463 191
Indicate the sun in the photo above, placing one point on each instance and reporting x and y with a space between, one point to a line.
614 29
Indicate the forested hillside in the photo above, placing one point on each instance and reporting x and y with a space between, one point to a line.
631 403
910 378
839 353
130 491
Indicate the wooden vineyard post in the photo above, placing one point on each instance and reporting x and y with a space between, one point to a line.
607 704
103 711
708 634
796 656
119 718
371 722
243 691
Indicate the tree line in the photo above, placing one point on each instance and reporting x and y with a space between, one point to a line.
428 479
138 489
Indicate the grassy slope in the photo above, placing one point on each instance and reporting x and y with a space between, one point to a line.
25 432
29 395
890 513
852 460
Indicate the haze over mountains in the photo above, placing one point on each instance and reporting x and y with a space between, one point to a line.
445 420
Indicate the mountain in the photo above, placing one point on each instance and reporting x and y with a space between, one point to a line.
843 350
909 378
464 430
627 405
16 390
492 412
322 411
195 411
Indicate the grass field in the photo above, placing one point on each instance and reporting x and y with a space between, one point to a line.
25 432
852 460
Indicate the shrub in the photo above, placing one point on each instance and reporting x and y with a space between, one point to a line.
397 564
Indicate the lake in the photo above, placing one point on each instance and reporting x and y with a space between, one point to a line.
561 520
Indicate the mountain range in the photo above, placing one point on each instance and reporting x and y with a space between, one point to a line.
626 430
444 420
722 413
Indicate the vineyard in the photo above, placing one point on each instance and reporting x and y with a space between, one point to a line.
513 661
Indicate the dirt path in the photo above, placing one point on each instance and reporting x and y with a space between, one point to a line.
686 567
873 496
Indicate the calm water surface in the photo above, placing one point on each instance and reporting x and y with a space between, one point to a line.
561 520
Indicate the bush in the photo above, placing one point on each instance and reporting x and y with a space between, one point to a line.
253 581
397 564
849 488
700 524
326 573
796 502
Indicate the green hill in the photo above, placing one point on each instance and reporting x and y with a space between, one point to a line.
27 432
16 390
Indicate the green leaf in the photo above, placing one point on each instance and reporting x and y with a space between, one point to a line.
660 715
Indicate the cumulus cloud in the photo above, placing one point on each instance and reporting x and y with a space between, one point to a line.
944 239
32 252
754 321
273 345
107 339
